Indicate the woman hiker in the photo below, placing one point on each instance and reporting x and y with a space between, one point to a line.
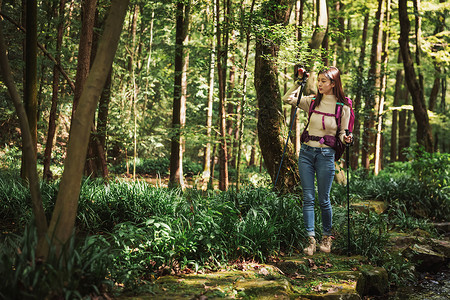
316 157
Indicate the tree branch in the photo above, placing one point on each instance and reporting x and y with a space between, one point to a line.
46 53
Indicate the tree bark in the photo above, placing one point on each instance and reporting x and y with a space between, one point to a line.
230 118
339 39
27 141
299 7
206 175
270 118
65 211
423 135
320 29
373 97
243 101
357 101
84 49
222 58
30 89
435 89
399 82
132 69
102 121
179 100
47 174
404 125
96 158
379 153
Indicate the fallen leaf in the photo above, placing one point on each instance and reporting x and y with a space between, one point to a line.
318 288
264 271
334 289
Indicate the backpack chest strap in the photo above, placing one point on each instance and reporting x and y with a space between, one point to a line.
323 116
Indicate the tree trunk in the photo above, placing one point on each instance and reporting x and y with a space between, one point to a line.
30 89
47 174
230 103
102 117
438 68
384 60
339 39
320 29
270 119
418 40
399 82
65 211
206 175
132 69
84 49
404 124
297 124
179 99
243 101
435 89
96 158
424 135
27 142
222 58
373 98
88 12
357 101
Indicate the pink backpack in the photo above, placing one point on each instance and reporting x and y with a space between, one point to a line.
332 141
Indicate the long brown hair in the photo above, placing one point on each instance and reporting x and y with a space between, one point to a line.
334 75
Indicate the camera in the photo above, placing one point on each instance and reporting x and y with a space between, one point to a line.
300 72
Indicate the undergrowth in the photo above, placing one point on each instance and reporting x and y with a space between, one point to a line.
133 232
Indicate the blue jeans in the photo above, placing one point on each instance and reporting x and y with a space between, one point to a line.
318 162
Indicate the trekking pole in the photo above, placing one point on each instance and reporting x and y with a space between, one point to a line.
302 84
347 161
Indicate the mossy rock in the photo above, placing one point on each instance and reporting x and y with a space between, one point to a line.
261 288
373 281
378 207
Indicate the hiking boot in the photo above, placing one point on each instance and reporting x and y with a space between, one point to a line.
311 249
325 244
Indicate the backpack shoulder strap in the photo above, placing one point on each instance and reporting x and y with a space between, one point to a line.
349 101
339 108
311 107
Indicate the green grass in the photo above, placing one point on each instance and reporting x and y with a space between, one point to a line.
140 231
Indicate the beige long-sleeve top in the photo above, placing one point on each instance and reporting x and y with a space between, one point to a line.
327 105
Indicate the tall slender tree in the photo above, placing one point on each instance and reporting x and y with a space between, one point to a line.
58 13
206 175
88 8
96 158
354 160
372 100
423 134
399 82
380 112
318 37
222 17
30 90
179 94
243 100
28 147
64 214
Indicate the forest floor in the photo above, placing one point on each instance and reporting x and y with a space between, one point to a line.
321 276
286 278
